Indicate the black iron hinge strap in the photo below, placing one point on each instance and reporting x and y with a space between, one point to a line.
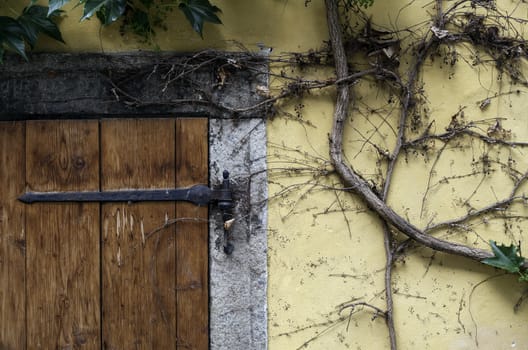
197 194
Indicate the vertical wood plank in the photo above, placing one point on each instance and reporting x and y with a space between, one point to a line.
138 272
63 268
12 237
192 238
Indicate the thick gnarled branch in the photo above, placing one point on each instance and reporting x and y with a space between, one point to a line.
352 180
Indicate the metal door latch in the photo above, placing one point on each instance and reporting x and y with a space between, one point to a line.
225 204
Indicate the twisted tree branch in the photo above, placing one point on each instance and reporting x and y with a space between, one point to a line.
351 179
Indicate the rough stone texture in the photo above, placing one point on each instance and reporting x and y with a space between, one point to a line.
238 283
54 86
209 83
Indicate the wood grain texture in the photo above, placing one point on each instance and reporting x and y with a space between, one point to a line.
192 238
63 285
138 273
12 237
154 291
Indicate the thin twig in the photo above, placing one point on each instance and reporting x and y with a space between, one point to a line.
354 305
170 223
498 206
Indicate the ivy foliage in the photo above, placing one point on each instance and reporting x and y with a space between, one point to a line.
198 12
507 258
37 19
16 33
108 11
139 16
142 16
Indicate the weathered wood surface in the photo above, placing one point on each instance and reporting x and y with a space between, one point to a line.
138 273
91 85
12 237
63 302
86 275
192 238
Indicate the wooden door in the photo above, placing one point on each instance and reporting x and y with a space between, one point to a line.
102 276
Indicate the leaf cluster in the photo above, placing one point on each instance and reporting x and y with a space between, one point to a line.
507 258
108 11
137 15
142 16
15 33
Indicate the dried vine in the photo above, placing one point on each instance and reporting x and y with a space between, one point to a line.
378 202
458 24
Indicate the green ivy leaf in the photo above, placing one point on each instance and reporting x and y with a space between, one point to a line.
55 5
34 20
12 36
506 258
198 12
108 11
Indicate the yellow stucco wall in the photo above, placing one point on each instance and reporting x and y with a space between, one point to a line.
325 248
